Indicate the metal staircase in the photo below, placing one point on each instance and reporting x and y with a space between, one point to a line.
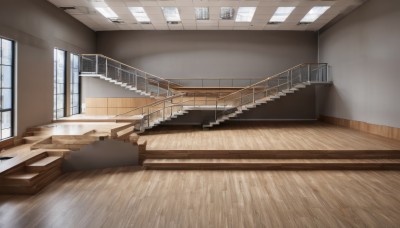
171 104
268 90
113 71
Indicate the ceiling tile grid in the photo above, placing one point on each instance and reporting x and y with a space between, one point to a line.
85 12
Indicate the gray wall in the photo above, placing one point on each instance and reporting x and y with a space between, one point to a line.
38 27
363 50
95 87
226 54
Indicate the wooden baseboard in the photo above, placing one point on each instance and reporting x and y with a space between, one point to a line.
385 131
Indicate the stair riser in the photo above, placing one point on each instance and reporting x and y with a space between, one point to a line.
29 190
251 154
44 168
279 166
37 180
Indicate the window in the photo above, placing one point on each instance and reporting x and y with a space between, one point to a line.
75 86
6 88
59 83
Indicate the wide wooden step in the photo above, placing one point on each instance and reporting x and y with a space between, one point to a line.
273 164
33 139
45 179
44 164
20 179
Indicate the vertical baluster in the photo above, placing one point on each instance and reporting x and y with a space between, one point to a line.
97 64
308 72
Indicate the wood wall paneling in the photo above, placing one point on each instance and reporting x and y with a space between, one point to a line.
381 130
115 106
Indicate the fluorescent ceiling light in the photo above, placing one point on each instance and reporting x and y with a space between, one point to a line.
139 14
281 14
314 14
226 13
171 14
107 12
202 13
245 14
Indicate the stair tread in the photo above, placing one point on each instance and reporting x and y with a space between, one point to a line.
269 161
22 176
45 161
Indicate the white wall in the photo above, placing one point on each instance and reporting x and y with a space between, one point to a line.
363 51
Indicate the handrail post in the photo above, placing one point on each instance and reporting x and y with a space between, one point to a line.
216 108
148 116
194 100
146 81
97 64
308 72
135 78
327 72
291 78
167 88
288 81
158 88
163 113
106 73
253 94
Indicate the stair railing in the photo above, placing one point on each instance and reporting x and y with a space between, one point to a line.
166 108
271 87
215 82
100 65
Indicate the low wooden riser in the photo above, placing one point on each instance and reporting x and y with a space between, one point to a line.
270 154
46 179
274 165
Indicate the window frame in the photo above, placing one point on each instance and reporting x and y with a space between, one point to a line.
12 88
55 82
72 83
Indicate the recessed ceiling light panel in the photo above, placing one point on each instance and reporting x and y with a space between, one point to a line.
171 14
281 14
245 14
226 13
314 14
202 13
107 12
139 14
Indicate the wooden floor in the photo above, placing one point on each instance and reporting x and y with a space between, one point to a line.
127 197
78 128
268 136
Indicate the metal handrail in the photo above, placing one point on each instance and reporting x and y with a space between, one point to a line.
151 104
106 57
269 78
289 81
130 77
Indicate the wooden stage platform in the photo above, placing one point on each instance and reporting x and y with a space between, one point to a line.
269 145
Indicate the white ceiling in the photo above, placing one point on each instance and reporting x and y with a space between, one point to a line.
86 13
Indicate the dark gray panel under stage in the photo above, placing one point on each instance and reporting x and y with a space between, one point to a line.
102 154
300 105
194 54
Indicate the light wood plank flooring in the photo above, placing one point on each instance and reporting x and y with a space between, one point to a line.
268 136
127 197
